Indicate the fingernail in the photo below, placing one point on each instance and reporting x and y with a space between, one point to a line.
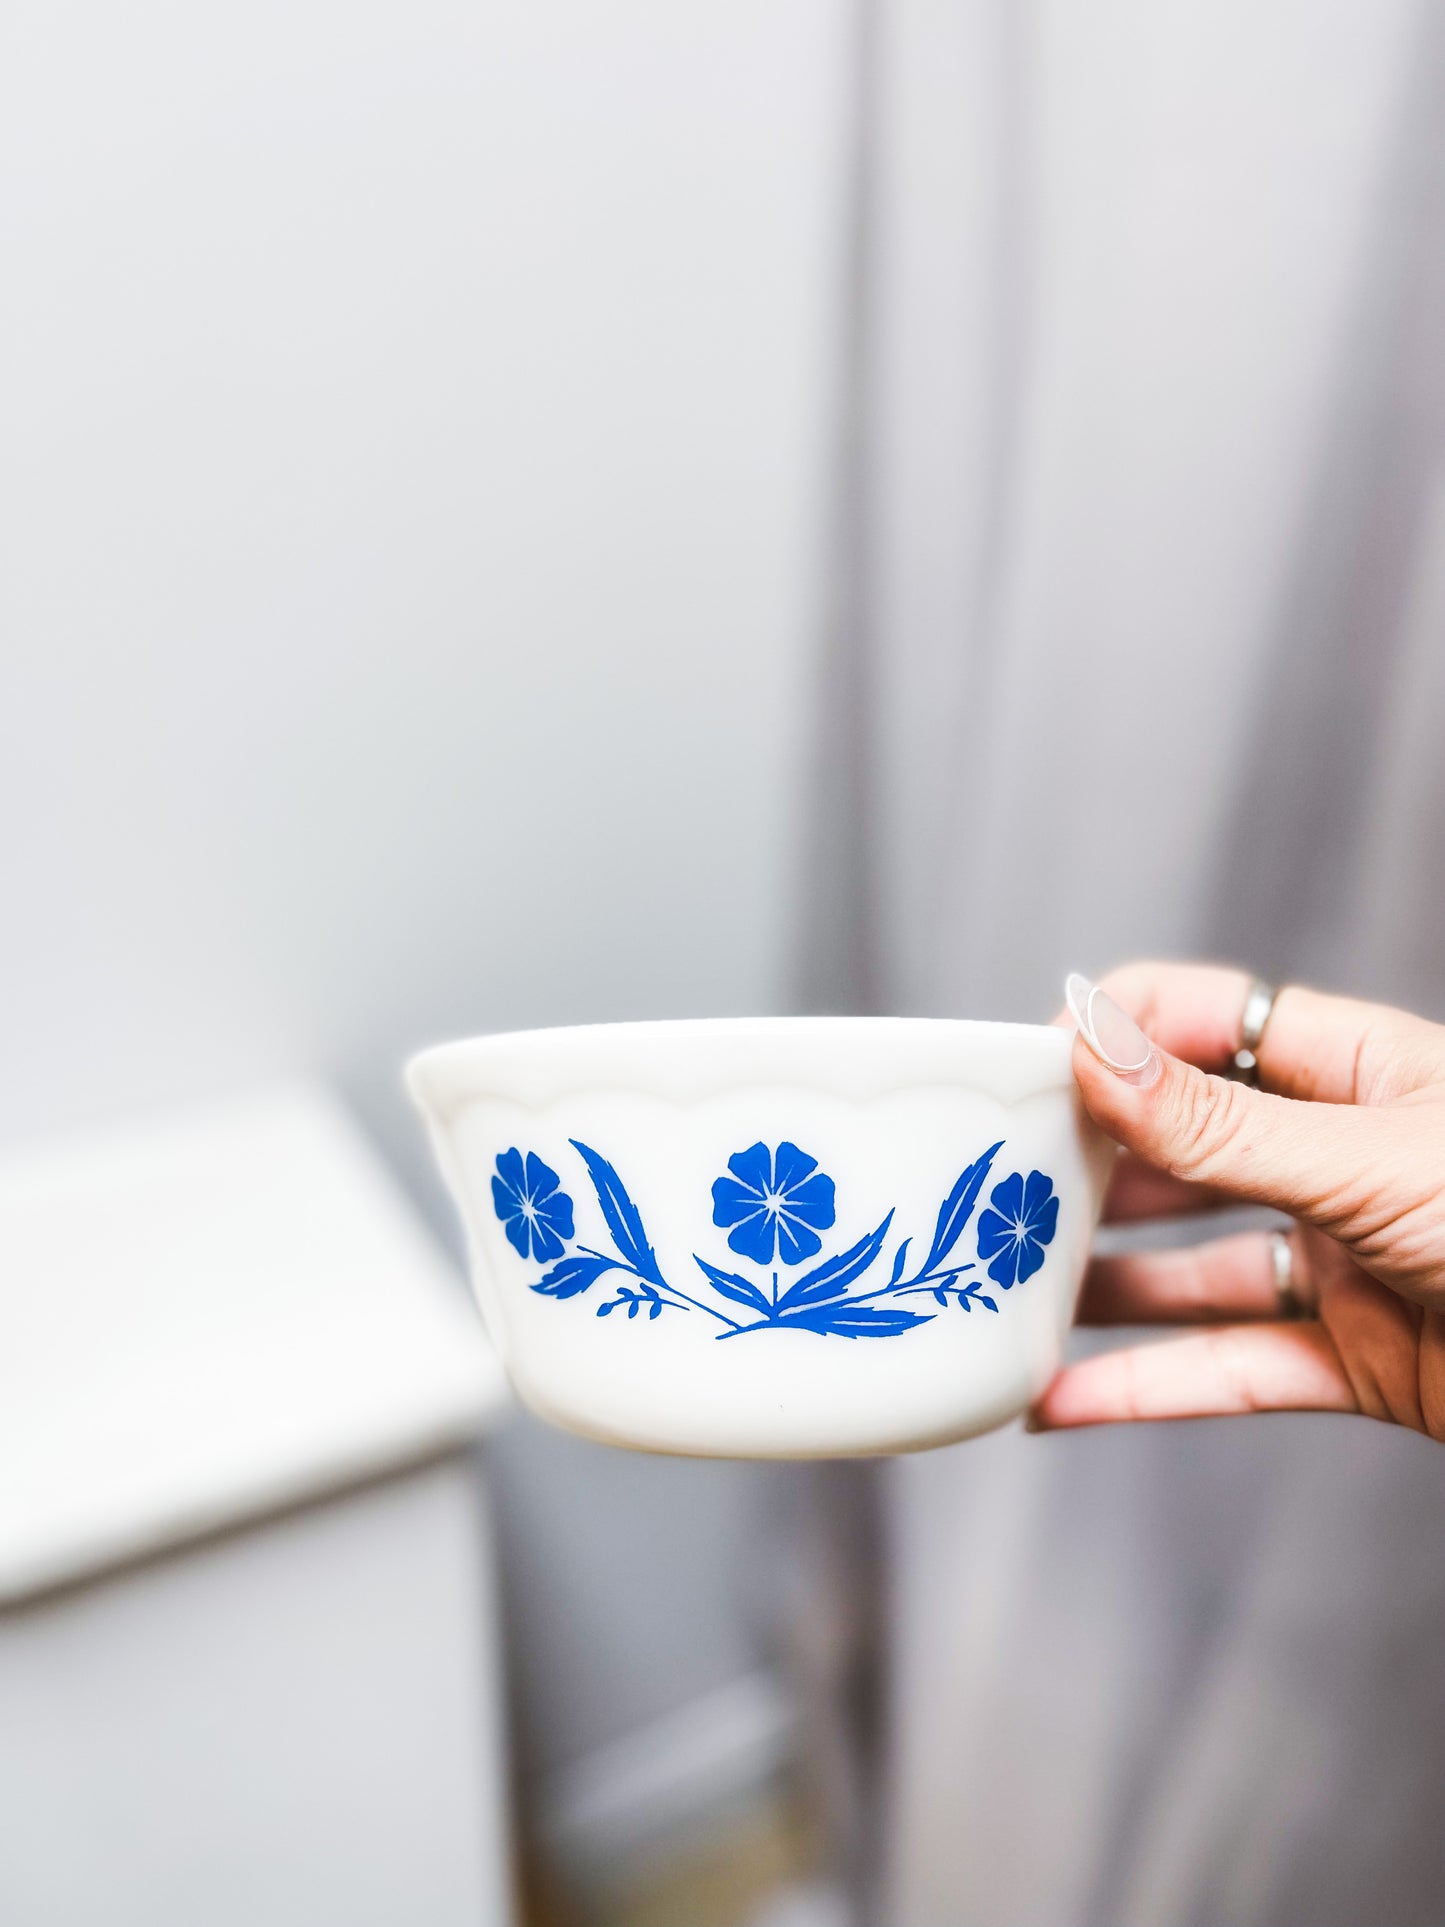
1111 1034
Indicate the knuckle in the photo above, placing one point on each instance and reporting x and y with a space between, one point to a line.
1232 1366
1203 1125
1394 1055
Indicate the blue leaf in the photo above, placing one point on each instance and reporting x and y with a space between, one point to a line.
734 1287
898 1259
856 1321
572 1276
832 1278
623 1220
957 1207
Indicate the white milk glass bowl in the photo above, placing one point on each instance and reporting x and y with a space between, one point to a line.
773 1237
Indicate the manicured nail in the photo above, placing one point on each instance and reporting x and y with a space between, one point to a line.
1111 1034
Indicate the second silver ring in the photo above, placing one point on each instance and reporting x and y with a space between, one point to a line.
1281 1258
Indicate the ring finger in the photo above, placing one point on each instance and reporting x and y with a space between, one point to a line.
1228 1278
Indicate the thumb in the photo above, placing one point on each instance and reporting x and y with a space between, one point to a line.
1319 1162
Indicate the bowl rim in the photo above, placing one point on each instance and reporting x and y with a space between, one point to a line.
688 1057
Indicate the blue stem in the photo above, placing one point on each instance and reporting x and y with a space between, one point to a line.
942 1271
621 1264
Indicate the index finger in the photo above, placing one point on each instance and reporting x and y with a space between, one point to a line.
1334 1050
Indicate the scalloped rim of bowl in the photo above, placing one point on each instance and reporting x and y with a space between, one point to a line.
690 1058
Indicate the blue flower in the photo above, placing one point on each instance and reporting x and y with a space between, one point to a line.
537 1215
774 1198
1022 1221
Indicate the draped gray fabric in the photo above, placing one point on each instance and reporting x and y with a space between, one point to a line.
1143 652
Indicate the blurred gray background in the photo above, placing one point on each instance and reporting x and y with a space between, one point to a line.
529 514
412 494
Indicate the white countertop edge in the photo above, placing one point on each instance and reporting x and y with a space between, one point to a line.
256 1494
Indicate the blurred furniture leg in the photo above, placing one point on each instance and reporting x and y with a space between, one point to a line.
832 1622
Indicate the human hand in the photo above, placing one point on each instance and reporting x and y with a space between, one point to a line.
1347 1136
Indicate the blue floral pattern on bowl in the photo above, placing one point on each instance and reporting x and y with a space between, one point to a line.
774 1198
536 1214
1020 1221
776 1204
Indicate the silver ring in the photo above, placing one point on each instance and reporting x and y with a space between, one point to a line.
1281 1259
1244 1066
